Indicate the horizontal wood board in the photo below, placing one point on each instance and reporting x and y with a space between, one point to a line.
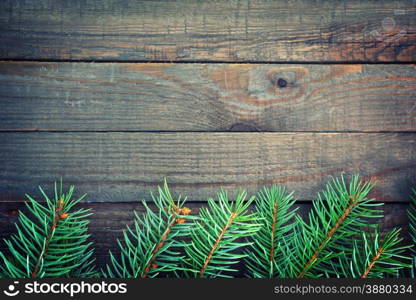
235 31
123 166
40 96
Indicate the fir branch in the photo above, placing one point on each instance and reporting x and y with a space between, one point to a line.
374 256
218 235
412 228
52 239
274 206
351 204
50 242
216 244
336 216
148 248
57 216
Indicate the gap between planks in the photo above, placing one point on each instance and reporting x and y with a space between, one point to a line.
229 62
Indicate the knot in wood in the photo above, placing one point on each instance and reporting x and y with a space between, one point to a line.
281 83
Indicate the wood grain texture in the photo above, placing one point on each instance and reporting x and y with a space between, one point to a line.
123 166
110 219
262 30
206 97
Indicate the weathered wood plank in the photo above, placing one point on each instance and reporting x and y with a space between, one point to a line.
110 219
123 166
207 97
213 30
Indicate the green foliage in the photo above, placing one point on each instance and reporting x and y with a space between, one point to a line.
373 256
275 208
51 241
336 216
412 227
218 236
336 239
150 246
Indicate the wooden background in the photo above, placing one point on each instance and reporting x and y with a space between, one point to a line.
115 95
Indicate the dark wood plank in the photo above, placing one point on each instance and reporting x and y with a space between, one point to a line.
192 30
123 166
207 97
110 219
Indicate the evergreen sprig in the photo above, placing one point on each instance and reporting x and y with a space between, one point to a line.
274 206
335 240
412 228
51 240
374 256
218 236
150 246
337 215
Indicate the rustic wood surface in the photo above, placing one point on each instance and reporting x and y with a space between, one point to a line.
115 95
123 166
110 219
206 97
238 31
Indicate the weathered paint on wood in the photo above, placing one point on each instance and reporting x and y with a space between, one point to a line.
262 30
206 97
123 166
110 219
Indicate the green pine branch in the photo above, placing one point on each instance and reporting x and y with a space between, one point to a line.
51 240
273 241
150 246
336 216
412 228
374 256
218 236
274 206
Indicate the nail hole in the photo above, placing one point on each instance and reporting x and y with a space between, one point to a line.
281 82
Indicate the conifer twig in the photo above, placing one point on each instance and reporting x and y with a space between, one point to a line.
51 240
217 235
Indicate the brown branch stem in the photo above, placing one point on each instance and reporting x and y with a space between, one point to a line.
55 222
159 246
216 244
373 262
330 234
272 248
